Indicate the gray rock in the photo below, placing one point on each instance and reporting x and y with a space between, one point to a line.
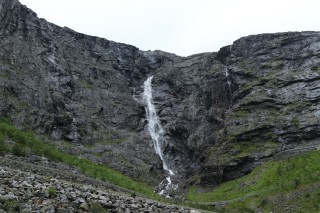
81 200
262 91
84 206
48 209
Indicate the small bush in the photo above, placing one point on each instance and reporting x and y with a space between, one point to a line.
308 195
10 206
133 194
97 208
263 203
19 150
296 182
52 192
314 68
4 120
3 147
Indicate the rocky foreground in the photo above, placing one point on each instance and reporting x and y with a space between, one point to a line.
29 192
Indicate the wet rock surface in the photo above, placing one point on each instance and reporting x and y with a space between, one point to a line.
223 113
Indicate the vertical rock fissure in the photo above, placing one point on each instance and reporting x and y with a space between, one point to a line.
157 134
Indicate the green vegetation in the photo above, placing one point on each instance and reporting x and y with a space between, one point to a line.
52 191
3 148
239 114
109 140
19 149
133 194
25 142
257 190
9 205
97 208
106 141
295 107
314 68
272 179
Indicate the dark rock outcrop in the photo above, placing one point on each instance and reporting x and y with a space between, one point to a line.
224 113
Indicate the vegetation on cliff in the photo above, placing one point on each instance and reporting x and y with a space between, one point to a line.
291 182
21 143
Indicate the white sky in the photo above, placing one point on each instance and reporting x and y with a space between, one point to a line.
183 27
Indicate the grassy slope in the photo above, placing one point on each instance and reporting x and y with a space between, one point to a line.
293 184
27 142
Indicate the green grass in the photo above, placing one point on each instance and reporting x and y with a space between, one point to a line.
109 140
9 205
270 179
52 191
97 208
26 142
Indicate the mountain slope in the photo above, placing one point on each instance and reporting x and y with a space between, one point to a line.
223 113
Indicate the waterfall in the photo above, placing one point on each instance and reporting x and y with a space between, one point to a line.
156 131
227 76
228 80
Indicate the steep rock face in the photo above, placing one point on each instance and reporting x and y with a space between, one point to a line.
276 104
223 113
74 87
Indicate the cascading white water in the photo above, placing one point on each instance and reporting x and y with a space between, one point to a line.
227 76
156 131
228 80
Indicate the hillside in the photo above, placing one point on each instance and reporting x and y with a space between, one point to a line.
223 114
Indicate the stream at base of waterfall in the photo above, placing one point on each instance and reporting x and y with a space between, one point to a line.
157 134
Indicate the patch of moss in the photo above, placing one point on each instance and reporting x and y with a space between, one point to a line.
109 139
236 150
296 121
295 107
315 68
86 84
89 146
239 113
251 84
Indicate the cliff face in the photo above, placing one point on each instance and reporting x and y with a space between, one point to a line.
74 87
223 113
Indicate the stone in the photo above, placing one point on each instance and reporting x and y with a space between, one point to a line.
62 210
71 196
38 186
134 206
63 198
102 198
53 180
260 91
95 196
26 184
47 202
2 172
81 200
84 206
48 209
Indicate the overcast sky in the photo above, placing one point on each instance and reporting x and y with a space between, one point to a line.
183 27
